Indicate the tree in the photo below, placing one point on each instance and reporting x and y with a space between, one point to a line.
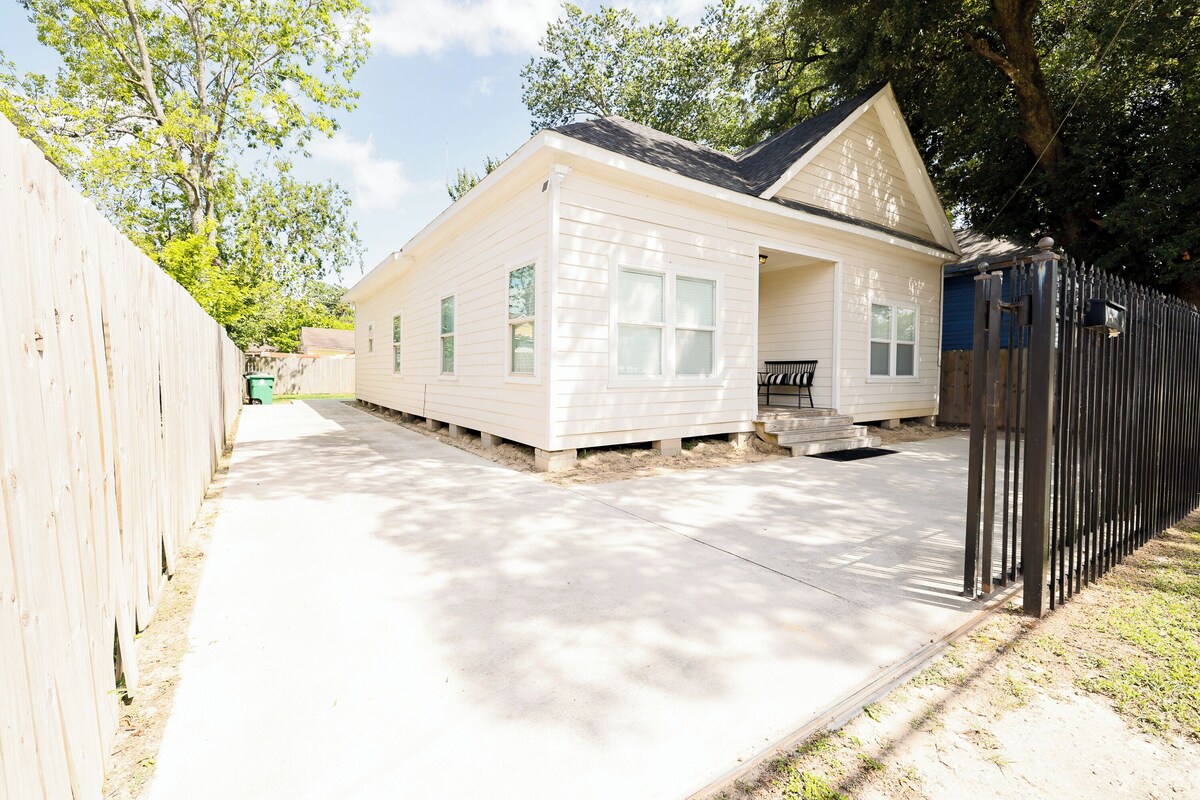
1064 118
159 111
465 179
672 77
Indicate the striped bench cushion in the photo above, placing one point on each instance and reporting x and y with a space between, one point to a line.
784 378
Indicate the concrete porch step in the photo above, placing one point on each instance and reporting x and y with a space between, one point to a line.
833 446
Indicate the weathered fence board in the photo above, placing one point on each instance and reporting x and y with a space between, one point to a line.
118 395
954 406
295 374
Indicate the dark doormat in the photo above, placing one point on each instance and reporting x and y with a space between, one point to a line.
855 455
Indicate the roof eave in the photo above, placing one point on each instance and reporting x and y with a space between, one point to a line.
384 272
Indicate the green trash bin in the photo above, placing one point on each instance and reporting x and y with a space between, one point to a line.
260 387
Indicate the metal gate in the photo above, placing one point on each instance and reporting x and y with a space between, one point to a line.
1098 446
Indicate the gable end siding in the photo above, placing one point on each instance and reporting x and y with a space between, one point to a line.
858 174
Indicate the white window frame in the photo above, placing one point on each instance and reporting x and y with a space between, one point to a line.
371 337
524 377
452 375
892 377
398 344
655 264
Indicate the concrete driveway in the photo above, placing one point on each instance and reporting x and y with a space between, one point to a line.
383 616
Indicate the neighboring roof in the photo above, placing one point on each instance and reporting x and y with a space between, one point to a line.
326 339
977 248
751 171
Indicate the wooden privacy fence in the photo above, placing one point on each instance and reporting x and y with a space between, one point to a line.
118 394
954 406
296 374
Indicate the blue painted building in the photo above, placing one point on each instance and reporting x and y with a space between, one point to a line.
958 298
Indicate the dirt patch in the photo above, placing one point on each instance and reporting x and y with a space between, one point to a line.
161 648
604 464
607 464
1099 699
915 432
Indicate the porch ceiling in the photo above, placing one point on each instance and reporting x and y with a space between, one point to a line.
781 259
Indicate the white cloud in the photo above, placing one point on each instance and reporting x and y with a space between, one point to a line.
428 27
379 183
483 27
483 86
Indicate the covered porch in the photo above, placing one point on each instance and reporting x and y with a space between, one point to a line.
798 298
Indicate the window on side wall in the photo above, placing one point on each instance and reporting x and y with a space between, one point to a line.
522 302
893 348
370 337
396 328
448 321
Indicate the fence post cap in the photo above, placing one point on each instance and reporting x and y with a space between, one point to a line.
1045 244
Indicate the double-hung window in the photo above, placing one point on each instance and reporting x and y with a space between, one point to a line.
448 335
370 337
522 294
695 326
396 327
641 323
893 341
666 325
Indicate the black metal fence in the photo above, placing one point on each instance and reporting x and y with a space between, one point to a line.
1102 450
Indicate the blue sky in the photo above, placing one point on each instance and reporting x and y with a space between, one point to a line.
442 87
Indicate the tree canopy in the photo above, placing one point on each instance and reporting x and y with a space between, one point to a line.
1035 117
179 118
465 179
668 75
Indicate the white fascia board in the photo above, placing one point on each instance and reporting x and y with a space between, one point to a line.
590 152
816 149
390 267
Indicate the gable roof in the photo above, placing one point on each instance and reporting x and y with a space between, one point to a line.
736 179
326 339
753 171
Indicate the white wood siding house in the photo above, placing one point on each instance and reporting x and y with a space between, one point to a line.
610 284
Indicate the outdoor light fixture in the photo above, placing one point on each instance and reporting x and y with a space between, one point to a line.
762 259
1105 315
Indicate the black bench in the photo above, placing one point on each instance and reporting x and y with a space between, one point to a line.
789 373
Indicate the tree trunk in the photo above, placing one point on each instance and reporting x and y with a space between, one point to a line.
1012 21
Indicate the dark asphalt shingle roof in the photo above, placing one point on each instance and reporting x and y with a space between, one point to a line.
752 171
763 164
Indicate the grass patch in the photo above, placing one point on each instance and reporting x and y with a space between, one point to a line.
807 786
1156 614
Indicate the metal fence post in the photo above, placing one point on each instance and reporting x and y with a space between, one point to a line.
975 458
1039 429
